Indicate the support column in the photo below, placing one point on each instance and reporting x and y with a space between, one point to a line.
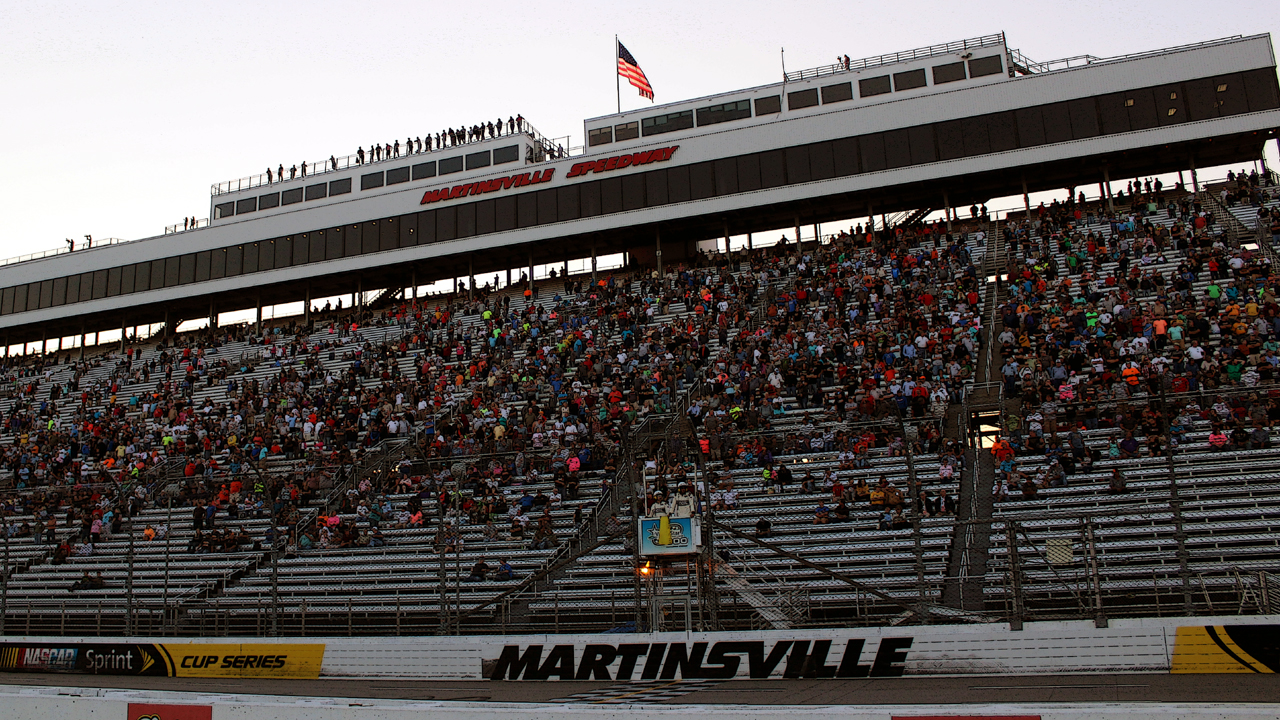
749 244
360 297
657 237
1180 181
471 277
797 230
531 270
564 271
727 249
165 335
817 233
508 277
306 309
593 260
82 337
413 278
1106 179
213 315
1195 179
44 342
122 333
258 320
1026 198
946 206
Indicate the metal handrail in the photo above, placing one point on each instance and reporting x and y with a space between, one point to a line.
335 164
891 58
1034 67
95 244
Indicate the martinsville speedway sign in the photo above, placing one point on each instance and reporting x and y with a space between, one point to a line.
1163 645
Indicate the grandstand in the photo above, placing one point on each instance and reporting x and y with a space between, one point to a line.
1029 413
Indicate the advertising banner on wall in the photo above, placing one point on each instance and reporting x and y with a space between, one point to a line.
1226 649
1127 646
272 660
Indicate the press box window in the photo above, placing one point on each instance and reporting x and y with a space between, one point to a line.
224 210
600 136
724 112
371 181
478 160
266 202
398 175
626 131
671 122
424 170
837 93
508 154
950 72
317 192
291 197
909 80
340 187
246 206
451 165
870 87
802 99
768 105
983 66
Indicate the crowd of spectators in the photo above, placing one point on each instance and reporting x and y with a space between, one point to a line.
843 339
449 137
1106 310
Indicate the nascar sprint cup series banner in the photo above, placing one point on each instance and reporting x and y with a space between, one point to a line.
300 662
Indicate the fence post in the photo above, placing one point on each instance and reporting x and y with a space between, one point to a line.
1175 506
303 618
397 613
1100 616
99 617
349 616
1015 571
62 620
1264 592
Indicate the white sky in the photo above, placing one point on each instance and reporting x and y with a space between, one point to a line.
118 116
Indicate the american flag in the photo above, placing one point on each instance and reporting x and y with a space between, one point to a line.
630 69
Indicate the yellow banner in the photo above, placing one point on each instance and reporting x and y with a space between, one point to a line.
297 662
1226 649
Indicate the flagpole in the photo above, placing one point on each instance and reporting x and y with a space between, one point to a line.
617 76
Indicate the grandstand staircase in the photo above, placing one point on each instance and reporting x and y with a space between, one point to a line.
971 544
596 530
782 612
386 298
1237 232
908 217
